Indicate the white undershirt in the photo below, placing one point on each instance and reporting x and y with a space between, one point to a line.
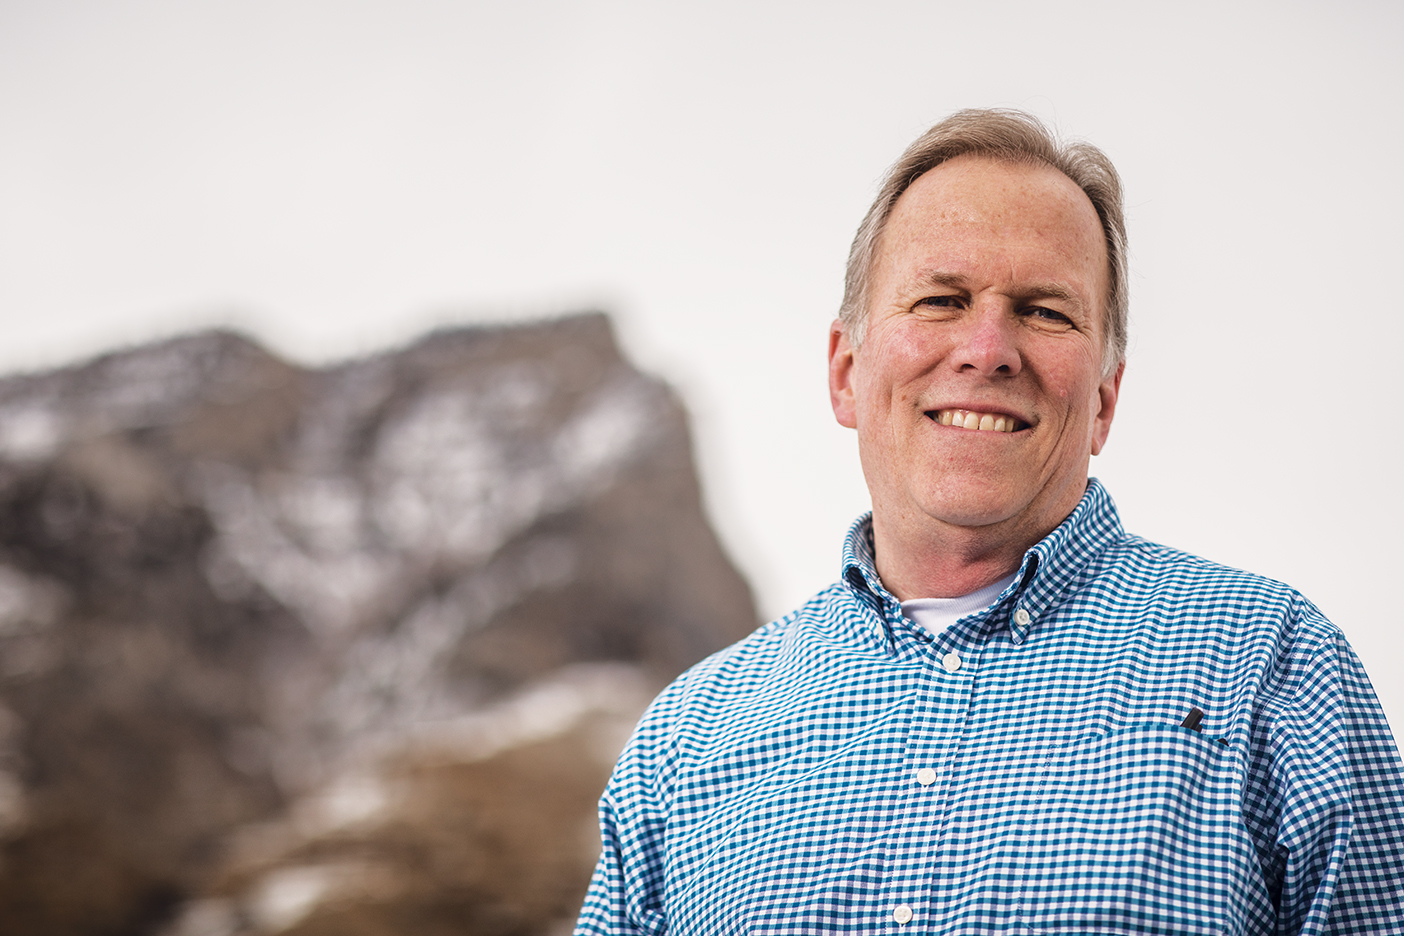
936 614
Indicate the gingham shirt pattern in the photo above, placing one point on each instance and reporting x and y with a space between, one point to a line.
1025 772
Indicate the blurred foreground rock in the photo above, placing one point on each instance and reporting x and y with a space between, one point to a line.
343 651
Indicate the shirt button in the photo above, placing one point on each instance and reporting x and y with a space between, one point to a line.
902 913
951 661
926 776
1022 617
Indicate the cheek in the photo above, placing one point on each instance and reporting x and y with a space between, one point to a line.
902 358
1076 382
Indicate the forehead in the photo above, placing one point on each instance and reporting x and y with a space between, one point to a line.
988 217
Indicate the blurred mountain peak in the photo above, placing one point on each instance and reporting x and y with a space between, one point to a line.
233 589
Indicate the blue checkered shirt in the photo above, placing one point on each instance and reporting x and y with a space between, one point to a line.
1027 771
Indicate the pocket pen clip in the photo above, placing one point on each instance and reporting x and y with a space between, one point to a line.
1192 720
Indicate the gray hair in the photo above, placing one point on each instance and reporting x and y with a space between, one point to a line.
1011 136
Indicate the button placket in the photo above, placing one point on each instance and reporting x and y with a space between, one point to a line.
939 713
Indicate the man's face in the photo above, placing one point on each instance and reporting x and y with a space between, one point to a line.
978 393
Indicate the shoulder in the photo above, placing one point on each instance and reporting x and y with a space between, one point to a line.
1146 569
1243 622
1156 562
821 651
832 624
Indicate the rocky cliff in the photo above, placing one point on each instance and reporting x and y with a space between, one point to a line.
346 650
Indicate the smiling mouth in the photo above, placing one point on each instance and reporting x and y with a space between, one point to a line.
981 422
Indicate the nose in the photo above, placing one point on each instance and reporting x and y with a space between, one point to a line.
988 344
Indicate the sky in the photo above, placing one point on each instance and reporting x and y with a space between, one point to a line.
337 178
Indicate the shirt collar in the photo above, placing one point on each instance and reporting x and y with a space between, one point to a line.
1048 568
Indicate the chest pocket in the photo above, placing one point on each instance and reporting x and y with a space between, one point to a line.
1139 831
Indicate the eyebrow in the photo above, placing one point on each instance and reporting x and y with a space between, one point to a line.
1044 290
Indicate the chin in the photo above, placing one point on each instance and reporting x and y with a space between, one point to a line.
975 508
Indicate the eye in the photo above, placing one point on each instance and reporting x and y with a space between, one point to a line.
1050 316
942 302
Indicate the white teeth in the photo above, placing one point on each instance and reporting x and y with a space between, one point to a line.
984 422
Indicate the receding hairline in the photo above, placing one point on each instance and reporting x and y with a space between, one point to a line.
1041 288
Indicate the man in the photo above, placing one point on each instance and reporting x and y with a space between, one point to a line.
1008 716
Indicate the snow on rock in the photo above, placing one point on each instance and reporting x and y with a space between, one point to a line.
289 650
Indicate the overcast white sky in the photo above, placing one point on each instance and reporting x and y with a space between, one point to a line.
335 177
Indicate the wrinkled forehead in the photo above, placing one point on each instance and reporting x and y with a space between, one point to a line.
977 203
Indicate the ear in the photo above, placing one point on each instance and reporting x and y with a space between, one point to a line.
1107 393
841 376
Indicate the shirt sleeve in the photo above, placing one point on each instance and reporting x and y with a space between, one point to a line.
605 910
1339 785
625 895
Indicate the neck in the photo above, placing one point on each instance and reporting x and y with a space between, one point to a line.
929 558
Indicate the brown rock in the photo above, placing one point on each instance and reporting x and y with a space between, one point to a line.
303 651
